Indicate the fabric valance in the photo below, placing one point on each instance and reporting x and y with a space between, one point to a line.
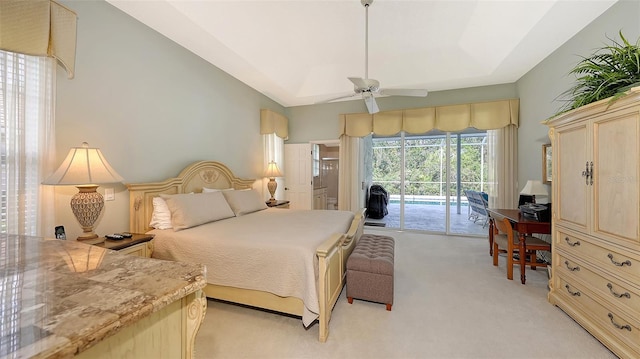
452 118
273 122
39 28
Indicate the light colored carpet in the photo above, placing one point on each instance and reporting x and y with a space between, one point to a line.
449 302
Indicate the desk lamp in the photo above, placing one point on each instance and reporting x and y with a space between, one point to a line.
85 168
272 172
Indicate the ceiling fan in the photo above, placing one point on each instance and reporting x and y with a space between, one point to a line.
367 87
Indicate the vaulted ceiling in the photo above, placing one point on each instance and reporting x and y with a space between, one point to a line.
300 52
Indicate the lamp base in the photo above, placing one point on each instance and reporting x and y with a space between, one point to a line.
87 205
271 186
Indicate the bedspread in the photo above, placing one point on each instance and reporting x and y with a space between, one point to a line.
272 250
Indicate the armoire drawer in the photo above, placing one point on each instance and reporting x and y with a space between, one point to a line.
615 291
614 261
624 330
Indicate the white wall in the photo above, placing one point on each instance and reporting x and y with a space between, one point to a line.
152 107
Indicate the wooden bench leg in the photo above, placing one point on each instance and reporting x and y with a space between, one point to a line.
389 307
350 300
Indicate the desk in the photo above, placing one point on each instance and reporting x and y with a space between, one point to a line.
520 224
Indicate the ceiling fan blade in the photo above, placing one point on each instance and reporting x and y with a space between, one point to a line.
404 92
372 106
337 98
359 82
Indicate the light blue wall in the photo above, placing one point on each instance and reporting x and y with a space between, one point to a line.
153 107
320 122
540 88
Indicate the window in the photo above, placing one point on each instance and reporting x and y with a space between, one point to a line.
315 150
26 142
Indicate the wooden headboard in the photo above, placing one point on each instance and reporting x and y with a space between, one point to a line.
193 178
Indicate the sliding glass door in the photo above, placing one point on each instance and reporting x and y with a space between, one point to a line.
425 169
425 177
387 174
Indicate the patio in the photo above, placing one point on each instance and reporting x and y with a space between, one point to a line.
430 218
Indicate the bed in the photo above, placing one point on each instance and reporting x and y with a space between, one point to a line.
309 290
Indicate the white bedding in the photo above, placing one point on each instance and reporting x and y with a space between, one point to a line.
272 250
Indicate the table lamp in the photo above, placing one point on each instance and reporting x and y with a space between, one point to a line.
535 188
85 168
272 172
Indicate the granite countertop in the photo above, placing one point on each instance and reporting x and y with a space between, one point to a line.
59 298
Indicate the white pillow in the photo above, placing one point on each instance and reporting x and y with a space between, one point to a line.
161 216
190 210
245 202
209 190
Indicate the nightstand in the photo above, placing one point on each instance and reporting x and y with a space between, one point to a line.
140 245
278 204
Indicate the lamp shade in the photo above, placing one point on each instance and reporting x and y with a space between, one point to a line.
535 188
83 165
272 170
85 168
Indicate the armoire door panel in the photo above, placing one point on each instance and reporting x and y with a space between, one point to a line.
616 191
571 203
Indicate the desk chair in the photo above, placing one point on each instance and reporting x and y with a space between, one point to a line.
504 241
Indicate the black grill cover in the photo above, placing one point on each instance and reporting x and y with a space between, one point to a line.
378 200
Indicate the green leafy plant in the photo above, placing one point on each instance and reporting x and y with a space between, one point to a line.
609 72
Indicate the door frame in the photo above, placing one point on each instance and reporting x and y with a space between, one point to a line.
329 143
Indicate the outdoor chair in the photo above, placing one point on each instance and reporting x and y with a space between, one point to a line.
478 204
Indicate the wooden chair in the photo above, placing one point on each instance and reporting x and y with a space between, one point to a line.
504 241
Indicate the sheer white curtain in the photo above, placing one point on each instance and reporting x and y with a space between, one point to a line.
27 148
351 194
502 158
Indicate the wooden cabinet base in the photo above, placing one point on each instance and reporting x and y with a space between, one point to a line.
596 214
167 333
621 347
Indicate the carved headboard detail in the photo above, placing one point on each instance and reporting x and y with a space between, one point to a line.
193 178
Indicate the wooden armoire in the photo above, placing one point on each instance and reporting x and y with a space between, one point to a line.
595 220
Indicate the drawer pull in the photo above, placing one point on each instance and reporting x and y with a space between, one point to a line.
573 269
575 294
619 264
576 243
625 294
627 326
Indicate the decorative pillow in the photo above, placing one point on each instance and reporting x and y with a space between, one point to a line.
209 190
161 216
245 202
190 210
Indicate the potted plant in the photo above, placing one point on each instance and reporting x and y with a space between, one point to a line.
608 73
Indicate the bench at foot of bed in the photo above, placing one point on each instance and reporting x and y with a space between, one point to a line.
370 270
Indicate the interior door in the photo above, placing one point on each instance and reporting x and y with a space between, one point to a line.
298 187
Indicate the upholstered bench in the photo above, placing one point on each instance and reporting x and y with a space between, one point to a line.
370 270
